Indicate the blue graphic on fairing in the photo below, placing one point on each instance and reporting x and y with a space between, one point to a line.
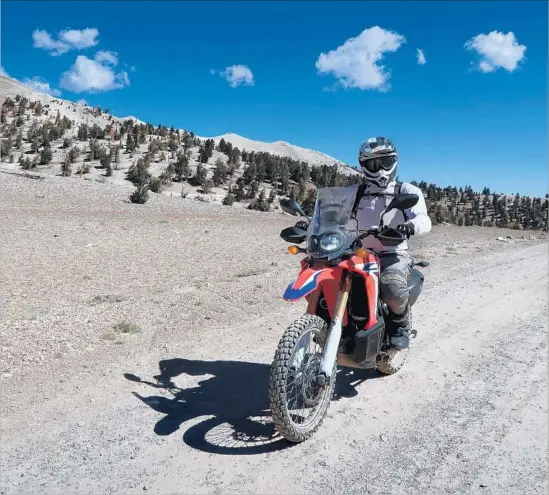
292 294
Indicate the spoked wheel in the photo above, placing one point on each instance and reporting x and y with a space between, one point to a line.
298 404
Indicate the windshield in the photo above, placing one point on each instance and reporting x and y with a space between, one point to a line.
331 229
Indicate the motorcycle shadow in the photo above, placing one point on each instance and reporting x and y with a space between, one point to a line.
234 395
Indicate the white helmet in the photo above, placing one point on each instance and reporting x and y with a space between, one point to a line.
378 160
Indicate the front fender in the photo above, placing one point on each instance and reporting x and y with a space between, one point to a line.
305 283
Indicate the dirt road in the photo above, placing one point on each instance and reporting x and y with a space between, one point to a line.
82 411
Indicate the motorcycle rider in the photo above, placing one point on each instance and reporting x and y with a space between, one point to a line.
378 160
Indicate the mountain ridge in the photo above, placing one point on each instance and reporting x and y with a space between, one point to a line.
10 87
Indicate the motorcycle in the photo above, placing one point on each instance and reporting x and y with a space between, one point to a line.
344 321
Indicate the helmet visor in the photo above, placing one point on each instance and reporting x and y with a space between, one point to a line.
378 163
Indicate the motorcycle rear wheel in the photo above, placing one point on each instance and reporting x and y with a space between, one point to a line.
286 371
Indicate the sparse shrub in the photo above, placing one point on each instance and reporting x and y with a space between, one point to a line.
74 154
25 163
220 173
67 143
261 203
199 176
84 169
138 173
83 132
6 147
207 186
140 195
105 160
126 327
229 199
156 185
182 169
46 156
66 167
184 192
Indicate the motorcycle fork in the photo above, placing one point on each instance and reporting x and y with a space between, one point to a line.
329 354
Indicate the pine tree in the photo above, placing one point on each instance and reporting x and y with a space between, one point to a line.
45 156
74 154
141 194
220 173
199 176
182 168
130 145
83 132
66 166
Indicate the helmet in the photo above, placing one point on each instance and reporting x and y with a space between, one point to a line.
378 160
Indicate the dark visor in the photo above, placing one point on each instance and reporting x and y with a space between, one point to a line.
378 163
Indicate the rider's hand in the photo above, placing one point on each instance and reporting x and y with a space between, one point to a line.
302 224
406 229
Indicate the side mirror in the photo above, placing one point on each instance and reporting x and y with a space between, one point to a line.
400 202
291 206
293 235
403 202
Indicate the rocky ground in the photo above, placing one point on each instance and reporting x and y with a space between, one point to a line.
96 291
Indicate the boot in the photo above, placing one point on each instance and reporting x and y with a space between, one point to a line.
398 329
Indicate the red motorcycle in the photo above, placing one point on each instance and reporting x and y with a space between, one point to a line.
344 322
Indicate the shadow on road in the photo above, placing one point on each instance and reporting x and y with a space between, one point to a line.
234 395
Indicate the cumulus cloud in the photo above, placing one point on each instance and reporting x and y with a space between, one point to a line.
87 75
421 60
68 39
497 50
38 84
238 75
356 63
106 57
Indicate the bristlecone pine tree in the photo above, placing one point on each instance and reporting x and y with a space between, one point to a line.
141 194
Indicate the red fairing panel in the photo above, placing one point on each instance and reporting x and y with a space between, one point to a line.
328 279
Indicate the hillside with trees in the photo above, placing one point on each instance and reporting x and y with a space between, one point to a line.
63 138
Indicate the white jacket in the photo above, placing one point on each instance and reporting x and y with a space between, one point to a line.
370 208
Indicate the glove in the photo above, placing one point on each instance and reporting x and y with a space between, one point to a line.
302 224
406 229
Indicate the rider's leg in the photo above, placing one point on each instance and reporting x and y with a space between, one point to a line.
395 293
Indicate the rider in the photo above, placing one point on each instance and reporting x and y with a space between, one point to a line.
378 161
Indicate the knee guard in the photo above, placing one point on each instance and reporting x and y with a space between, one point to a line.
395 292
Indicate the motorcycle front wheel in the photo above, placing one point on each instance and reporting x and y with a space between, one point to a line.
298 404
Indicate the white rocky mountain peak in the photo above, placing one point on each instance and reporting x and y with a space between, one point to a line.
83 113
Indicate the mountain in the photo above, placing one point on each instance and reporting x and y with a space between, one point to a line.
79 112
82 113
281 148
59 137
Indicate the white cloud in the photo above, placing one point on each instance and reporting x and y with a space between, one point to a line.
68 39
107 57
38 84
81 101
3 72
497 50
237 75
421 60
94 75
355 64
80 38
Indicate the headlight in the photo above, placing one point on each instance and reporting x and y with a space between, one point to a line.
330 242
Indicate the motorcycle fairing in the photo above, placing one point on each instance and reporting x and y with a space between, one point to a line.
328 280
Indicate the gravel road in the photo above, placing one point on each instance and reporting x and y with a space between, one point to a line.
97 294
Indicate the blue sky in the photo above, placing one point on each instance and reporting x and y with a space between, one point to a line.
453 121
